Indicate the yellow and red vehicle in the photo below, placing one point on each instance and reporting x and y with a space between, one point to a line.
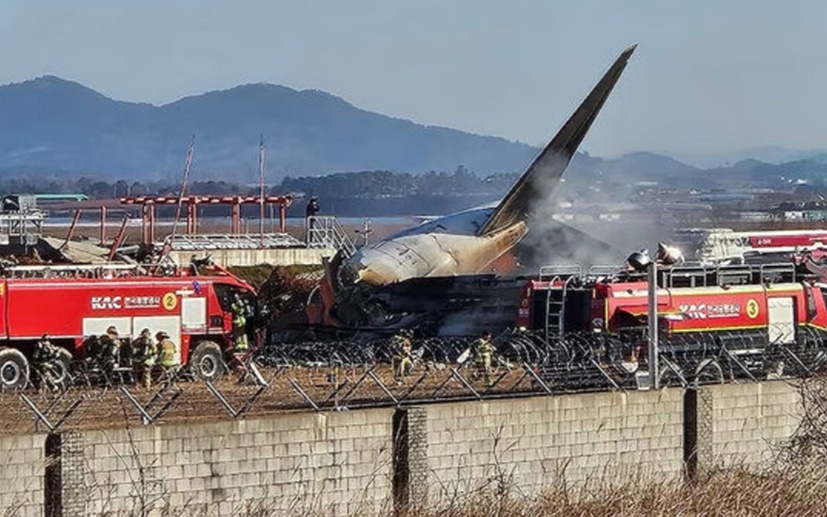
73 303
748 315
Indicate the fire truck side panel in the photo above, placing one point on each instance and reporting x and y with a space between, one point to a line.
696 309
77 308
4 307
713 309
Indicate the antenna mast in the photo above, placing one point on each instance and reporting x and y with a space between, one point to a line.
184 180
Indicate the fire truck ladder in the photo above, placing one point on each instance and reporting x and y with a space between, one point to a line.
559 279
77 271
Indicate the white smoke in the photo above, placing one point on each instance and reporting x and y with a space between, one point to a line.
594 236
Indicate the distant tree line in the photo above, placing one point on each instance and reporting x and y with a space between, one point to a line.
353 185
383 184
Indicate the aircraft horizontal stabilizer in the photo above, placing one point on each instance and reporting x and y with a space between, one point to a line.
544 173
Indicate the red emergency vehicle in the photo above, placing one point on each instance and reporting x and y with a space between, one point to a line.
72 303
703 312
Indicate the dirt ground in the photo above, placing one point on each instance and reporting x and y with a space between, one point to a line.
192 401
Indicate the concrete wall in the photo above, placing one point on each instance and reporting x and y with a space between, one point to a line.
537 442
295 463
245 257
22 464
747 421
365 461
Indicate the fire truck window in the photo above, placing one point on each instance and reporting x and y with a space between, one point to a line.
225 295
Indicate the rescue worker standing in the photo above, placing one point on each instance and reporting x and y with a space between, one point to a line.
45 353
239 310
167 356
110 348
147 355
483 351
312 208
401 354
310 212
92 348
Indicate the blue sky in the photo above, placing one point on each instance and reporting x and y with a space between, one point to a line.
708 76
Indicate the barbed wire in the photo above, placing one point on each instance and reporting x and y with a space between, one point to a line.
343 374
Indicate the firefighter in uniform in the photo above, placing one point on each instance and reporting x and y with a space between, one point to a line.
483 351
45 354
310 211
167 357
147 355
92 347
239 310
110 349
401 354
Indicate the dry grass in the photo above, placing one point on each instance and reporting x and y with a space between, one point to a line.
795 483
725 492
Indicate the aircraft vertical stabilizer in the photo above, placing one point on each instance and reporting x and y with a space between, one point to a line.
545 171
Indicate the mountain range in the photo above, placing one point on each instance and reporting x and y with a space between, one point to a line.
57 124
53 126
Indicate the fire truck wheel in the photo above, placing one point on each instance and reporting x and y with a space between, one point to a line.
206 362
14 369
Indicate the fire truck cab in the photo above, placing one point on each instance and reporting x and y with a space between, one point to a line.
74 303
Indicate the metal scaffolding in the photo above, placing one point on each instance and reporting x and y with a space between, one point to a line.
26 225
149 203
234 242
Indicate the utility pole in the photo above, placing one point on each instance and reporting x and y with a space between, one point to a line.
261 214
653 359
365 231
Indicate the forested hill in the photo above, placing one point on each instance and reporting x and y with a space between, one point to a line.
57 125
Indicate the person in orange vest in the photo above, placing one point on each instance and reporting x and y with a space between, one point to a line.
401 354
167 352
239 310
483 351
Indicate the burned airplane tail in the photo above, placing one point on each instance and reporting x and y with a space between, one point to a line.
545 171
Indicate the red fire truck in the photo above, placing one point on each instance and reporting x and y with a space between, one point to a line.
745 316
72 303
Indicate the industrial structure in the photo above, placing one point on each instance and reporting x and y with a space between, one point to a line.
191 204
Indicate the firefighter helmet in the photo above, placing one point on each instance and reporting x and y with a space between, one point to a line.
112 331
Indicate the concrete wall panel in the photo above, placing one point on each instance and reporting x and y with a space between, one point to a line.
533 443
22 463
